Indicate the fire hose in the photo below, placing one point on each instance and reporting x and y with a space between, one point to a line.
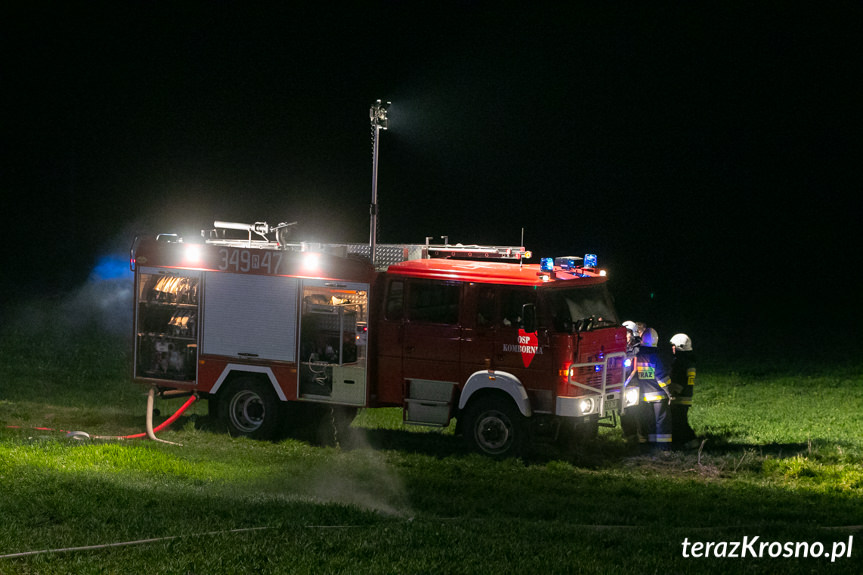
150 432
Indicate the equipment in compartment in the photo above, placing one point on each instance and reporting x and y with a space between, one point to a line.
328 331
174 289
166 358
328 338
167 327
184 323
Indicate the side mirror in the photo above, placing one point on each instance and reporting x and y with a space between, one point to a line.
528 314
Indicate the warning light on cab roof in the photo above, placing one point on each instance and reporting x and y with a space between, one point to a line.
572 264
568 262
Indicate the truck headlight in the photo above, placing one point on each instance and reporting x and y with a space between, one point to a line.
631 397
585 406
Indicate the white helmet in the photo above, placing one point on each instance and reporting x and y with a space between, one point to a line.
682 342
630 325
649 337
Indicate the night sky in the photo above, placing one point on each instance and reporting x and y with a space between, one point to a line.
710 156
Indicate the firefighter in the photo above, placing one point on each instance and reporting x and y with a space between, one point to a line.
630 423
682 386
633 338
653 380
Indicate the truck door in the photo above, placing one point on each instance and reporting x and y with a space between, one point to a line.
528 356
431 351
479 329
419 348
390 338
432 332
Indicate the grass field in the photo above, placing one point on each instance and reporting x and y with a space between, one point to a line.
782 461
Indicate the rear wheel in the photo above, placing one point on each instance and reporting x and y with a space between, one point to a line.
250 408
494 426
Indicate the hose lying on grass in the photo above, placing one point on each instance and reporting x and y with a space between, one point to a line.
150 430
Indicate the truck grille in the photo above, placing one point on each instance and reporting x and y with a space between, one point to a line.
592 375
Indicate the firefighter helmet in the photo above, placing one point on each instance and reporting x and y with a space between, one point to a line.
631 327
649 337
682 342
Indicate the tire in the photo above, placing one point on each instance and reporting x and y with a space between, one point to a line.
250 408
495 427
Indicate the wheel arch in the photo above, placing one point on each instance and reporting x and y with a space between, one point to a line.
235 370
481 383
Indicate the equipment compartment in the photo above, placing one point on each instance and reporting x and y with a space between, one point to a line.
166 325
333 342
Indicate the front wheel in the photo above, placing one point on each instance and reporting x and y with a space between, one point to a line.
494 426
250 408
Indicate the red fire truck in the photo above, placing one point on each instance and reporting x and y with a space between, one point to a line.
273 332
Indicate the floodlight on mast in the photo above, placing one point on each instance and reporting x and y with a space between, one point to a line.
378 117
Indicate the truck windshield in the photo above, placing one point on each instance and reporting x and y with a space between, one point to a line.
582 308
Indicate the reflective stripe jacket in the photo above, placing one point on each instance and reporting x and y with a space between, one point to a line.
683 377
652 375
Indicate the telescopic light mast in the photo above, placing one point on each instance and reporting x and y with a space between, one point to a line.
378 116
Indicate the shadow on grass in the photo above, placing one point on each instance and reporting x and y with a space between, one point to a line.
608 450
719 441
718 446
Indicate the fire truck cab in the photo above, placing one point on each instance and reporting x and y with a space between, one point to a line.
273 333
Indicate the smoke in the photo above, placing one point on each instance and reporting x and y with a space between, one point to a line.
363 479
103 303
360 477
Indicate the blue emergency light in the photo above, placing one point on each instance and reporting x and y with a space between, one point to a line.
546 264
590 260
567 262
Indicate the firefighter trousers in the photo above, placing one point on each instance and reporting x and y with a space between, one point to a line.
681 431
630 423
656 422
